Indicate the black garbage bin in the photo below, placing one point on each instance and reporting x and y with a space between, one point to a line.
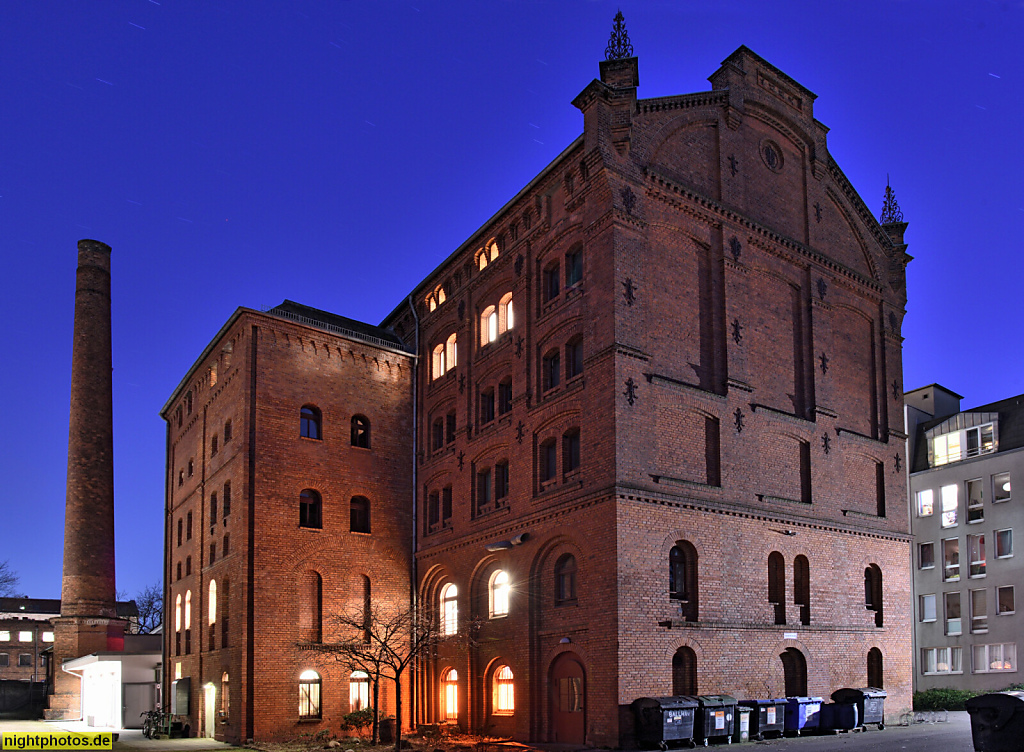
716 716
664 721
766 717
870 702
997 721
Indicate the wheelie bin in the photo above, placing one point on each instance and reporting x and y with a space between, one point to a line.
664 721
802 714
766 717
870 702
997 721
716 716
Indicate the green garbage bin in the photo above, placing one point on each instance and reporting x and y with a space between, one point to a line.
716 717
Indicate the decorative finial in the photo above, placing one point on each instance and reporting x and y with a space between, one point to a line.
890 209
619 46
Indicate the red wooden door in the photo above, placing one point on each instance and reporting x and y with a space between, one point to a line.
568 700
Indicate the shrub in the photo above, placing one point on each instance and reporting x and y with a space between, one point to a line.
357 720
942 698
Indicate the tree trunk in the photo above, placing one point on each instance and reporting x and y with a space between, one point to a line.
374 731
398 712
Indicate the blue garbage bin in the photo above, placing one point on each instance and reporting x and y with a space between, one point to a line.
802 713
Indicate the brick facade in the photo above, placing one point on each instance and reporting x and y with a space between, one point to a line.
704 331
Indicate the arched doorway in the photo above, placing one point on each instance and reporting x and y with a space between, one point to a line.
568 690
875 668
794 669
684 672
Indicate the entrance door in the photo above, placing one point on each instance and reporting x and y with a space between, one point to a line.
794 669
209 708
568 700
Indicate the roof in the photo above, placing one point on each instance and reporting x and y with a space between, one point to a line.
1011 428
51 606
338 324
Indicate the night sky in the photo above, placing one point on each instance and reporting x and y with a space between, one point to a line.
240 152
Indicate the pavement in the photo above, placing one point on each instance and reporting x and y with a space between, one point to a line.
127 739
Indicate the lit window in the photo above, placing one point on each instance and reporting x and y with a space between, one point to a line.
48 636
437 362
991 658
500 589
953 622
212 605
487 255
177 669
950 502
24 636
506 319
188 609
1004 597
925 503
926 610
975 502
504 692
309 694
439 294
926 555
177 614
451 354
450 695
1004 543
951 560
359 691
946 449
976 551
5 636
958 445
941 661
1001 487
979 611
488 325
449 609
309 422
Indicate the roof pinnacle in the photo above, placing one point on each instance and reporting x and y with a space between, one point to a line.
619 46
890 209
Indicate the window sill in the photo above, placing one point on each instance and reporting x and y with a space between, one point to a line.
310 438
310 720
311 529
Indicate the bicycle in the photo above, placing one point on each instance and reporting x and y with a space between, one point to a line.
155 721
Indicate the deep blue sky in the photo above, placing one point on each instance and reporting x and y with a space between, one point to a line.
239 152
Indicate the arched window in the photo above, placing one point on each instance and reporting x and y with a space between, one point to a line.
188 622
684 672
364 586
361 431
570 450
451 354
437 362
488 325
777 585
310 507
682 578
358 691
225 704
449 609
181 527
573 267
548 460
309 422
177 613
802 587
565 580
506 318
212 604
873 591
227 431
450 695
794 669
311 607
309 694
500 588
359 515
504 700
875 678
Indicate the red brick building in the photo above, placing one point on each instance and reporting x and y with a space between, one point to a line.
657 427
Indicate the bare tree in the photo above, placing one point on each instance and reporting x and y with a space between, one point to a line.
383 640
150 604
8 580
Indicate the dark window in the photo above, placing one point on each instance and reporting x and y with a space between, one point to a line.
226 548
227 431
802 587
880 494
188 526
181 478
213 552
873 591
188 641
361 431
25 659
188 565
188 403
433 508
224 607
5 660
500 481
437 434
213 445
449 423
181 525
682 578
551 282
191 468
483 487
777 585
573 267
487 406
875 675
179 414
548 460
359 515
565 579
227 499
213 507
574 358
311 599
684 672
551 368
570 450
712 451
309 422
504 396
178 570
446 506
310 509
805 472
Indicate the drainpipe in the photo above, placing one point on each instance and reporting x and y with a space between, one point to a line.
415 425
